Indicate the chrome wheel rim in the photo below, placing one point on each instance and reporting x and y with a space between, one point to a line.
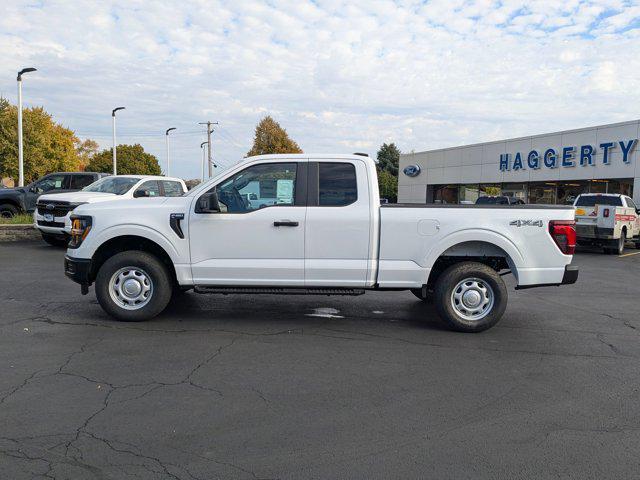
472 299
131 288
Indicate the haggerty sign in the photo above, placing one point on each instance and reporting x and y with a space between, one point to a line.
568 157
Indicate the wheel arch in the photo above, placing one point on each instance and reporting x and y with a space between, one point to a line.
493 250
123 243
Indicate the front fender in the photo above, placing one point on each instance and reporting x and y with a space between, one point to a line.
92 243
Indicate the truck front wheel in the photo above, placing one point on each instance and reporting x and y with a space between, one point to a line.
133 286
470 297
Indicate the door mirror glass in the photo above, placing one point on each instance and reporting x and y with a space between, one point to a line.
141 192
208 203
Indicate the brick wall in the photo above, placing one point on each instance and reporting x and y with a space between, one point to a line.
16 233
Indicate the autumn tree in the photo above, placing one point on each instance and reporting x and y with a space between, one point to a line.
270 137
47 145
85 149
132 160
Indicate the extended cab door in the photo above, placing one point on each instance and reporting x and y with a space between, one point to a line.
257 239
338 224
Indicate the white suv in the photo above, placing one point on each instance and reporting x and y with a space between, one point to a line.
53 211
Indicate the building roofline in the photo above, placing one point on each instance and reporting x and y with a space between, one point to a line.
538 135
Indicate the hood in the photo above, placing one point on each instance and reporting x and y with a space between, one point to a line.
124 206
79 197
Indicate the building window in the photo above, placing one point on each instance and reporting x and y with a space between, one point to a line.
568 191
515 190
542 193
468 193
445 194
490 190
622 185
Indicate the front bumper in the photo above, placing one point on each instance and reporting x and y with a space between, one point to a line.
570 277
78 270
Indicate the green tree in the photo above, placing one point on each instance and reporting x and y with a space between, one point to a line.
270 137
388 160
132 160
86 149
388 186
48 146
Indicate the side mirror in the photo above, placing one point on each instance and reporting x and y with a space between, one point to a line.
208 203
34 189
141 193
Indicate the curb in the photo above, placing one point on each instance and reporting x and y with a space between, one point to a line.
18 233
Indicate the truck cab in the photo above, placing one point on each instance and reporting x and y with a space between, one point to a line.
313 224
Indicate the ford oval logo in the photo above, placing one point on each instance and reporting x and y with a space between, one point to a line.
50 206
411 170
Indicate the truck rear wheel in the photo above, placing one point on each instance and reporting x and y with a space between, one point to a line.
133 286
617 246
470 297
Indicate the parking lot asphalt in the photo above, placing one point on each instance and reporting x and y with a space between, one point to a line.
261 387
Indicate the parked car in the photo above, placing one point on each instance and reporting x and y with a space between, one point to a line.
53 211
607 220
499 200
326 234
23 199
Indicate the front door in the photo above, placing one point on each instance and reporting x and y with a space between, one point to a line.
257 238
54 183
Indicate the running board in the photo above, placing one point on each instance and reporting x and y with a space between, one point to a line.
279 291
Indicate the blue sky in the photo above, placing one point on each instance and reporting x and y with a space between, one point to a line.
339 76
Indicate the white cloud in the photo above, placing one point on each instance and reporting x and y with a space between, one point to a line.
337 74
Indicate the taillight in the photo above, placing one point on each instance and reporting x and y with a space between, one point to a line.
605 213
563 233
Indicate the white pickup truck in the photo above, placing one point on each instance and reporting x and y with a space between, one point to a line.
53 211
608 220
313 224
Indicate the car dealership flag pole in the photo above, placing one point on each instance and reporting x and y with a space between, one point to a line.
166 134
113 122
20 155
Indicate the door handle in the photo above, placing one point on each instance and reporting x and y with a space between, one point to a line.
285 223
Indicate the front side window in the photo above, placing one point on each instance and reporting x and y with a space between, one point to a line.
630 203
78 182
259 186
172 189
51 183
337 185
152 187
115 185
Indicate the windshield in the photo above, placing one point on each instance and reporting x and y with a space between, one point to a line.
117 185
593 200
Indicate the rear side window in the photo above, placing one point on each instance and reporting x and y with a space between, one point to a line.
337 185
152 186
78 182
172 189
630 203
593 200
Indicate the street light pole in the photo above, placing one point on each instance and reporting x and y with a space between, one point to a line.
113 121
203 158
20 155
166 134
209 132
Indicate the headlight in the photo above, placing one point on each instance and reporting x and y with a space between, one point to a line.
80 227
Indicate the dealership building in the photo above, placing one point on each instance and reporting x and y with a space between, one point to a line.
552 168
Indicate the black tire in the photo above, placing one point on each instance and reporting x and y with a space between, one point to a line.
56 240
621 242
479 275
418 293
151 269
7 210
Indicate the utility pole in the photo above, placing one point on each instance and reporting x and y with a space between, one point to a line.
20 156
209 132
